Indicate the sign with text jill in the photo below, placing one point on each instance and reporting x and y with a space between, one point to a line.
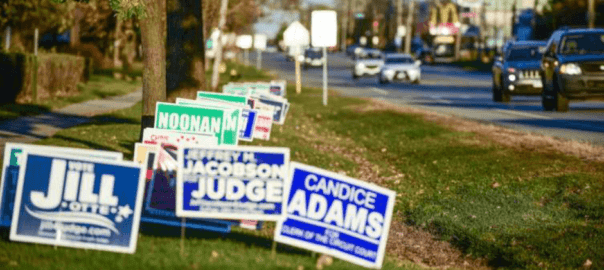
336 215
78 202
13 158
231 182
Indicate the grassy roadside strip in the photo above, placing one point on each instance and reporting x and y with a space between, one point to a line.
159 247
98 87
514 207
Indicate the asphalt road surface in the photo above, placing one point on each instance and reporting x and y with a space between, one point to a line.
454 91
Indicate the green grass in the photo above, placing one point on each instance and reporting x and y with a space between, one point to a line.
546 210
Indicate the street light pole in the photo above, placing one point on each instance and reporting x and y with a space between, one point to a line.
591 13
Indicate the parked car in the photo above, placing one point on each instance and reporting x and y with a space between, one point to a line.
367 65
313 57
516 72
572 67
351 48
400 67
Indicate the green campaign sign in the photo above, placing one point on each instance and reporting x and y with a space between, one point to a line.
221 122
223 97
235 90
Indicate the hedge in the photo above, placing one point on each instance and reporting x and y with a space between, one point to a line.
57 75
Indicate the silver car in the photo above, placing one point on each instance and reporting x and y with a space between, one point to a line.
368 64
400 67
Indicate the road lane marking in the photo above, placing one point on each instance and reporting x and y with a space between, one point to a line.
517 113
383 92
439 99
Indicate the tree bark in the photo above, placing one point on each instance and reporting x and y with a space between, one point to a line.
153 33
218 56
74 37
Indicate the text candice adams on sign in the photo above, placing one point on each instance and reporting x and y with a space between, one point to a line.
336 215
78 202
231 182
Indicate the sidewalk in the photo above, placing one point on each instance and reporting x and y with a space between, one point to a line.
32 128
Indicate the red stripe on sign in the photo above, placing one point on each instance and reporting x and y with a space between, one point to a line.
149 174
262 129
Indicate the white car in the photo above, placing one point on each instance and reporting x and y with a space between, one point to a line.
400 67
367 65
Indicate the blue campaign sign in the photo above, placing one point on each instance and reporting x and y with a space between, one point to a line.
72 201
160 205
246 131
231 182
336 215
11 165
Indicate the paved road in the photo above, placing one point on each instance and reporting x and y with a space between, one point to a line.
32 128
451 90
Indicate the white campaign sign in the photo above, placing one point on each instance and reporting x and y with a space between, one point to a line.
324 28
244 42
260 42
296 35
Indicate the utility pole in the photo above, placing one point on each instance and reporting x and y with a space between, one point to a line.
218 55
399 22
591 13
409 28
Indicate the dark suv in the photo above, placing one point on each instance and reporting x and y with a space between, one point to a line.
517 71
572 67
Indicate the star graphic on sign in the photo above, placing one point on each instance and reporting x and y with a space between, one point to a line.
123 213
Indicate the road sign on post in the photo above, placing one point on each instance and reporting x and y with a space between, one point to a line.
245 42
259 45
324 30
296 36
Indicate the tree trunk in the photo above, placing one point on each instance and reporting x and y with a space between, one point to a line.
74 36
218 55
153 32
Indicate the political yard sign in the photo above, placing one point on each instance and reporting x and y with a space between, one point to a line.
231 182
336 215
222 122
78 202
13 158
224 97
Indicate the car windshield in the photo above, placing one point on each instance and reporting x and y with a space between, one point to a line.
399 60
582 43
314 54
524 54
371 55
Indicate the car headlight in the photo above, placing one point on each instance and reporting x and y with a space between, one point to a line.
512 77
570 69
361 66
389 72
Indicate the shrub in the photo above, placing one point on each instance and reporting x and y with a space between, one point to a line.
57 75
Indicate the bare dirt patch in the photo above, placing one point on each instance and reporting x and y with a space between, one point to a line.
503 136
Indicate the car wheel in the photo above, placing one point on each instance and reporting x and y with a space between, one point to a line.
561 103
382 81
354 76
416 81
505 97
548 102
497 95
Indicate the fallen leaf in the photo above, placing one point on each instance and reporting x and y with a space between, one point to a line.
384 150
495 185
587 263
214 254
300 267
